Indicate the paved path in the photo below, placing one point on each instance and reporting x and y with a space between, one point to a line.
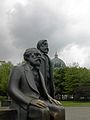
77 113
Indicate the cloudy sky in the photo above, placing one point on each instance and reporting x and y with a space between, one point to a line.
64 23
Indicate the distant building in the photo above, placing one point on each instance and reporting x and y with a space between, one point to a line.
57 62
2 62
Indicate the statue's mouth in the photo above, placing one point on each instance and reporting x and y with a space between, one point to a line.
38 60
46 50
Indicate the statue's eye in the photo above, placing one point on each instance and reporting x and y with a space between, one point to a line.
45 44
33 56
38 55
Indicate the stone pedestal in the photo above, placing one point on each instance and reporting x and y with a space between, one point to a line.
8 114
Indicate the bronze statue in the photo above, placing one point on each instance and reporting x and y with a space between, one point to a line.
46 66
27 89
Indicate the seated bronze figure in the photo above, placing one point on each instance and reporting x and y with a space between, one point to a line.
27 88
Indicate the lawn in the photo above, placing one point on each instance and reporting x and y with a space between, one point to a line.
75 104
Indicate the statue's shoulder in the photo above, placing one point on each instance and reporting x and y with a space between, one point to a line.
18 67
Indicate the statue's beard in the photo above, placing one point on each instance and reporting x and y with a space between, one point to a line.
46 50
36 62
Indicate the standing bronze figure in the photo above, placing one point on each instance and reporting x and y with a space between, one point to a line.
46 66
27 88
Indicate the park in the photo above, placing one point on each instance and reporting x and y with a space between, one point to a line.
44 59
72 89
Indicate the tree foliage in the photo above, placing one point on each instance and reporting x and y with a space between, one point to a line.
59 81
67 80
4 74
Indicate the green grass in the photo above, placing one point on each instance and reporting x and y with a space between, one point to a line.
75 104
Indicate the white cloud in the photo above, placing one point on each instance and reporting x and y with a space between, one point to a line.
75 53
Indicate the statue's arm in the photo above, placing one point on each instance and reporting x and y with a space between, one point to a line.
13 89
52 100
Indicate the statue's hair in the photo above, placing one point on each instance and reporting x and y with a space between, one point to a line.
40 42
28 52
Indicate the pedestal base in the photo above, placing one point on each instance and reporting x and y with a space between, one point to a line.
7 113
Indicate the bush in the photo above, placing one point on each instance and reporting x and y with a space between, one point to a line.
2 98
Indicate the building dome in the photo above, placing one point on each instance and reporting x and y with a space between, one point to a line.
57 62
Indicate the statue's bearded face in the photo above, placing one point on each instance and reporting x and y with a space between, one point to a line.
35 58
44 47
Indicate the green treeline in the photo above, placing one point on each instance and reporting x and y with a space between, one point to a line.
72 81
4 75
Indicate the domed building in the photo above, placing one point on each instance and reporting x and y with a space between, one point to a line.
57 62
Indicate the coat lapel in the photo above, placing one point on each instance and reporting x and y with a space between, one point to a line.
30 78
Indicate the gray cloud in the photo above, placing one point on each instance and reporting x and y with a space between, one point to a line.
35 22
5 51
25 25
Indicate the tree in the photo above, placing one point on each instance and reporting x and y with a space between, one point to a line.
58 82
4 74
76 77
82 92
69 79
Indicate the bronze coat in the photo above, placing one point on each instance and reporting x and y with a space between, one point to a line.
22 87
48 82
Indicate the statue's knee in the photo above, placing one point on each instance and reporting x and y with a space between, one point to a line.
61 113
45 111
39 114
45 114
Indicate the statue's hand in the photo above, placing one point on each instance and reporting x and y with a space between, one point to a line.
38 103
55 101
